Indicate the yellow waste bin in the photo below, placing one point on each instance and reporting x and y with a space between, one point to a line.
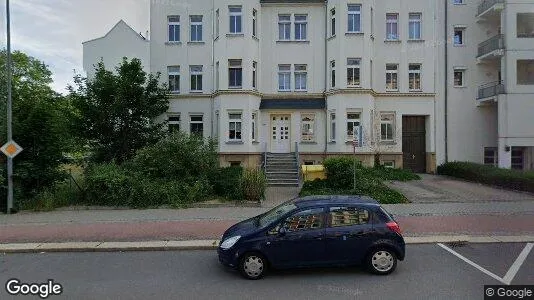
312 172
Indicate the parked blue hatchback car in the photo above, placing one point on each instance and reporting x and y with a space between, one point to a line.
315 231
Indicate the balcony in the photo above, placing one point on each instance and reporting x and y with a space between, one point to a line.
490 9
489 92
492 48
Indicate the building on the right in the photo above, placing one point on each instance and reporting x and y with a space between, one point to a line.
488 96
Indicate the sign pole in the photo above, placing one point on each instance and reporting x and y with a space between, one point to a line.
9 113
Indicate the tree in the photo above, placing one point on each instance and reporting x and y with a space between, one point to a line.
117 111
39 125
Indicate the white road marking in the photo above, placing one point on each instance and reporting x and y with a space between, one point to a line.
507 279
517 264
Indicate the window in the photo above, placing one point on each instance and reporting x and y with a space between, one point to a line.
174 28
348 216
392 71
304 220
284 27
196 28
301 76
392 27
389 164
309 163
254 22
414 26
353 71
235 164
217 22
332 127
458 1
217 77
173 123
235 19
284 77
354 18
301 23
414 77
353 126
459 75
525 25
525 71
517 158
234 126
387 127
333 73
459 36
196 125
254 126
491 156
174 79
196 78
333 22
217 122
254 74
235 73
308 128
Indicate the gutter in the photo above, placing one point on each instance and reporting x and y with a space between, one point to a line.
326 78
446 82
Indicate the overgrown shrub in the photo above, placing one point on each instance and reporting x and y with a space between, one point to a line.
253 184
504 178
227 183
340 171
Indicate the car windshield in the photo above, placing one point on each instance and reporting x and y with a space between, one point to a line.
275 213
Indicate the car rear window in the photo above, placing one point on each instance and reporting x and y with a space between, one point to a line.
383 216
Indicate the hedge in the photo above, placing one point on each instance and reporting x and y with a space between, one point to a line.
504 178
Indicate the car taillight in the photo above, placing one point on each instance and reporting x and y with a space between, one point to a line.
393 226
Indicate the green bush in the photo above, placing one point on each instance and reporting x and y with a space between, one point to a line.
253 184
340 171
227 183
504 178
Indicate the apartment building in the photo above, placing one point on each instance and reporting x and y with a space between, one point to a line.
415 82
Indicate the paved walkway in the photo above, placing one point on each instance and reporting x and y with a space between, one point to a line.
439 189
278 194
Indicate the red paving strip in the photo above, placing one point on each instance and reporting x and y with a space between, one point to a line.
202 229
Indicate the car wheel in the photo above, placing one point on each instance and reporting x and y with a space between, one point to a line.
381 261
253 266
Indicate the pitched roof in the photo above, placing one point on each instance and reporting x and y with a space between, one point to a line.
114 27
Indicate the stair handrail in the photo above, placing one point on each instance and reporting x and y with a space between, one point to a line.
297 156
265 157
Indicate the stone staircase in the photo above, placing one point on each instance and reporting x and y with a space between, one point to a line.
282 169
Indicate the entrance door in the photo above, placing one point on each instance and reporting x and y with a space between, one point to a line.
517 158
414 143
280 137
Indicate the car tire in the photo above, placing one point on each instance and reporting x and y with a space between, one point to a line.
253 266
381 261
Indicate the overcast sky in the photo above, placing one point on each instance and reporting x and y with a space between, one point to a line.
53 30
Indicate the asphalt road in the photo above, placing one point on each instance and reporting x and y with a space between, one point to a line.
429 272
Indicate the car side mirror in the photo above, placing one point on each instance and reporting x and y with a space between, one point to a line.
282 231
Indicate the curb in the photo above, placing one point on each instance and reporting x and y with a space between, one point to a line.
213 244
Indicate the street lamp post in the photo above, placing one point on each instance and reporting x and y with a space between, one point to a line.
9 113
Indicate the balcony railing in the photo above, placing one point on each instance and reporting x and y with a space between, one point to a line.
488 46
490 90
487 4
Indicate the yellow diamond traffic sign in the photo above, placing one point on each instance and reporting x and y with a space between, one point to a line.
11 149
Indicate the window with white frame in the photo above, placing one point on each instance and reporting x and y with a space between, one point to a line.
332 127
235 73
333 73
217 22
174 28
353 126
353 72
234 126
307 128
387 127
414 77
491 156
458 1
236 15
284 27
389 164
284 77
196 78
174 78
217 76
196 28
392 76
459 35
392 27
525 71
333 22
196 125
459 77
254 75
414 26
254 126
354 18
301 77
301 27
173 122
525 25
254 23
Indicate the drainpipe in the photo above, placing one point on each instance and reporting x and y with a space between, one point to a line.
326 77
446 80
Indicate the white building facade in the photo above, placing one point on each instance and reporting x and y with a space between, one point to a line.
344 77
